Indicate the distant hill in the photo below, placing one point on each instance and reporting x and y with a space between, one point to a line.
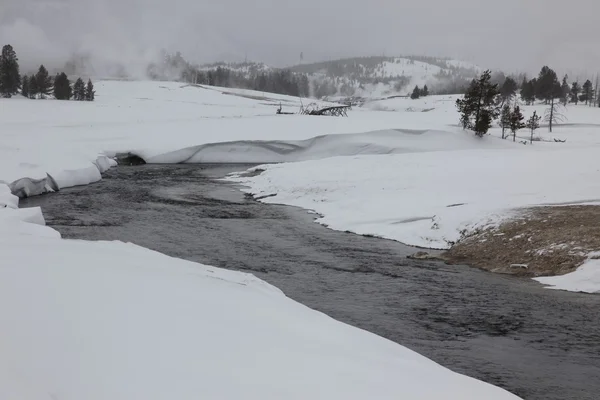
386 76
361 77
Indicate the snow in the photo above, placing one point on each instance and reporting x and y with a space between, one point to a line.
111 320
433 186
585 279
417 70
427 197
464 64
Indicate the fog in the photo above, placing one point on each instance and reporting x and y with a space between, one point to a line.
512 35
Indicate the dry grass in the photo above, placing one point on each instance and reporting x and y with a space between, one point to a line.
549 240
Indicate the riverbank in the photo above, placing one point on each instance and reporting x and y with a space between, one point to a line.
550 241
499 329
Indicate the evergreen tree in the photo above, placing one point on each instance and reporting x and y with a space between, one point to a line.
533 123
508 90
465 108
43 82
416 93
575 89
587 92
564 91
90 93
10 79
62 87
33 87
516 121
528 91
479 108
505 118
546 83
425 91
25 86
79 90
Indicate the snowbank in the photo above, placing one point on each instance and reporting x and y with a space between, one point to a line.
427 198
165 122
585 279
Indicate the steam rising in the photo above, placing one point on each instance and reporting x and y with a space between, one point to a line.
511 35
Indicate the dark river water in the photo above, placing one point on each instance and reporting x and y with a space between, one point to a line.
537 343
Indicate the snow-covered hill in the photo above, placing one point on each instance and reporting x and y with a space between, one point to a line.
376 77
371 77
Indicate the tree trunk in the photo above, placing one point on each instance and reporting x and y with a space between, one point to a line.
478 110
531 140
551 114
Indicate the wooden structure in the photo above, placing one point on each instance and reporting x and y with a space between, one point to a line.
333 111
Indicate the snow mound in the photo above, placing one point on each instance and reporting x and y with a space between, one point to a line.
392 141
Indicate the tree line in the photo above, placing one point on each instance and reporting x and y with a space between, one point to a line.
485 101
39 85
419 92
547 87
245 76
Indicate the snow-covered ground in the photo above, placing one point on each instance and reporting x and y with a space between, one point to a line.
447 182
585 279
109 320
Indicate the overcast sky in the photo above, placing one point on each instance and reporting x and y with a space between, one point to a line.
512 35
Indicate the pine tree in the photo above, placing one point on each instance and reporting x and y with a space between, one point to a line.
416 93
533 123
25 86
10 79
575 89
508 90
546 82
505 118
79 90
90 93
43 82
479 108
62 87
587 92
516 121
425 91
564 91
33 87
465 108
528 91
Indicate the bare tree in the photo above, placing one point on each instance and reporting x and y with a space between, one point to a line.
553 115
532 124
505 119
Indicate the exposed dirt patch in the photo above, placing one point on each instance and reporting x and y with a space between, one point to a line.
541 241
251 173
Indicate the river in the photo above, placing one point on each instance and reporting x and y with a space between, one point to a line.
537 343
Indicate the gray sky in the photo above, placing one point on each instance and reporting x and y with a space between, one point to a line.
512 35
